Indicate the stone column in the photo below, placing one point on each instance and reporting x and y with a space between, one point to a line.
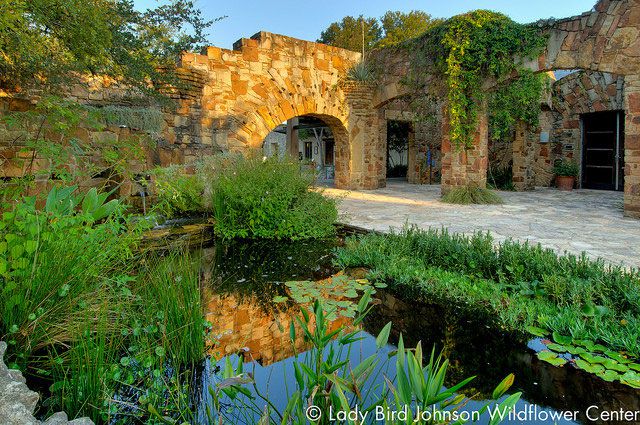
632 147
464 166
293 147
367 149
523 157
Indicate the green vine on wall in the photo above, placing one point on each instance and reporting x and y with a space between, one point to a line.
471 50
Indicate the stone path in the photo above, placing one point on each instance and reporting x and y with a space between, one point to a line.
582 220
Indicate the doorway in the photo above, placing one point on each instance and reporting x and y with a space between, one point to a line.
603 150
398 133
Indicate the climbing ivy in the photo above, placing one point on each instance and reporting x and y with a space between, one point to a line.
471 50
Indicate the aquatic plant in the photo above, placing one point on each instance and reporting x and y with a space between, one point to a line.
515 285
324 380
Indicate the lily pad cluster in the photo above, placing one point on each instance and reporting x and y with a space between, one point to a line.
589 356
339 293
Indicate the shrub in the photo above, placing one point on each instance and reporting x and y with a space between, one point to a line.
566 168
178 193
269 198
465 195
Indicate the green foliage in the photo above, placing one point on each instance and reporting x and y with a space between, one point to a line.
469 49
362 72
90 326
347 33
514 285
52 43
69 252
394 27
501 178
324 379
338 294
566 168
400 26
249 197
149 120
517 101
465 195
178 193
268 198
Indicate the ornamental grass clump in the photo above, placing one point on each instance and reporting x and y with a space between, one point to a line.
471 194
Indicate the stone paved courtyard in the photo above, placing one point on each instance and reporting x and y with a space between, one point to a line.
582 220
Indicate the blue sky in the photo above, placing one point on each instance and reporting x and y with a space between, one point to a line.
306 19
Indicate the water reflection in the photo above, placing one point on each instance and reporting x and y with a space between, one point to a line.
243 278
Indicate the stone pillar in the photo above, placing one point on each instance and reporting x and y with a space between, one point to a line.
463 166
524 157
632 147
367 149
293 147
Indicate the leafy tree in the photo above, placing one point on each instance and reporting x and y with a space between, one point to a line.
400 26
49 42
347 33
393 28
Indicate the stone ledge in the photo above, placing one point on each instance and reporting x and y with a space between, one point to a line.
18 402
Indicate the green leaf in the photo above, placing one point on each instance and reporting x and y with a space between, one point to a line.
503 387
561 339
588 367
631 379
558 348
534 330
383 336
552 358
609 375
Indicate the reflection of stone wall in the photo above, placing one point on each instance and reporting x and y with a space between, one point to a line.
244 324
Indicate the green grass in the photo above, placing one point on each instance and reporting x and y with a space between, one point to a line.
466 195
514 285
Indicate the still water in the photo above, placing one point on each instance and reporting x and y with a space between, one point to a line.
242 280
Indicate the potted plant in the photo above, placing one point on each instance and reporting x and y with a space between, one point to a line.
566 172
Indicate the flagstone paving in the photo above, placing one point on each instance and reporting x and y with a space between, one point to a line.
580 221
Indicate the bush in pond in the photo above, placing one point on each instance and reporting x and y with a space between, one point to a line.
268 198
518 285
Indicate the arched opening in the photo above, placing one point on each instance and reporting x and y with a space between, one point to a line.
412 144
318 141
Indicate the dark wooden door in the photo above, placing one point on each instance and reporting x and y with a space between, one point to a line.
603 151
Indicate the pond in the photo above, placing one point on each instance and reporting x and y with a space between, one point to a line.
243 278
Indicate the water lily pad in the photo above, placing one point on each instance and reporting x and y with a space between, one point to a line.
614 365
558 348
609 375
631 379
589 345
280 299
588 367
550 357
620 358
536 331
593 359
634 366
561 339
575 350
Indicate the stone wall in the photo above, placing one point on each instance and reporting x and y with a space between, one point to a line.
18 402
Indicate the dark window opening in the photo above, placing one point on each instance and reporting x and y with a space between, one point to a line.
603 150
398 133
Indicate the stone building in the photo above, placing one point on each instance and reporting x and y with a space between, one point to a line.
234 98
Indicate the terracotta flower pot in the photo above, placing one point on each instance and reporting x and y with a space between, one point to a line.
565 182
